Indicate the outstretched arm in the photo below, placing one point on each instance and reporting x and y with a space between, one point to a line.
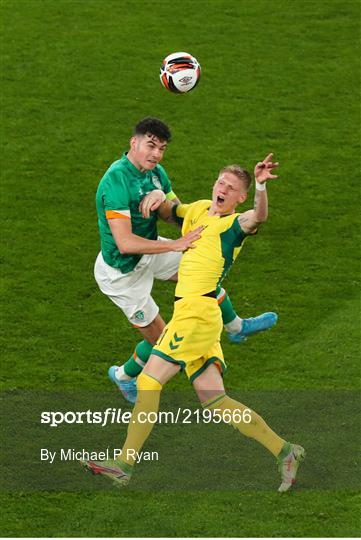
128 243
250 220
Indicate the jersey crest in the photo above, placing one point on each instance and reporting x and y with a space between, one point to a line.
156 182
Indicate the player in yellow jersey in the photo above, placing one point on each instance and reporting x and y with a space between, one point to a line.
191 340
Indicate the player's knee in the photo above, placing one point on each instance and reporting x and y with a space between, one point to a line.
145 382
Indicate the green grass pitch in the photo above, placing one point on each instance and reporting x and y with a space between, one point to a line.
281 76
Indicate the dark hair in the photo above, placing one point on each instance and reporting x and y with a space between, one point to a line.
154 127
242 174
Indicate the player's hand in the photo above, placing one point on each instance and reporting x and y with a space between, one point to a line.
151 202
186 241
263 170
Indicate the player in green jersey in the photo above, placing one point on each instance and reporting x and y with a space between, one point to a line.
133 255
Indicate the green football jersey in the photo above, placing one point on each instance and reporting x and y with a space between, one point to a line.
121 190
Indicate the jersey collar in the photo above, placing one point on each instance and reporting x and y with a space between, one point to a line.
224 215
132 168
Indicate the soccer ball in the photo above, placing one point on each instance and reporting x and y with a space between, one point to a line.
180 72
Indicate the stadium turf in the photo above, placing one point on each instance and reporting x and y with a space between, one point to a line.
280 76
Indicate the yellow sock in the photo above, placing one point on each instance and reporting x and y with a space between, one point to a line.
246 421
141 423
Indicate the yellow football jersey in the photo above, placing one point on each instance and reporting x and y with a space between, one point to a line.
203 267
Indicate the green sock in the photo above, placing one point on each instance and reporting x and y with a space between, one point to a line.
228 313
139 358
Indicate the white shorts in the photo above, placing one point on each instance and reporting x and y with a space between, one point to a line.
131 292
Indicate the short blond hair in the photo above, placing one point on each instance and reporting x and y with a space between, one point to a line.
241 174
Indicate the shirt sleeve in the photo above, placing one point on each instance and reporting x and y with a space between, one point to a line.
178 212
116 198
246 233
240 234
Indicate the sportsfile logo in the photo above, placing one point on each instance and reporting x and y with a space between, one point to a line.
117 416
109 416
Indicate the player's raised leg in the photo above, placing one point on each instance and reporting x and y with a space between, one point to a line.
210 390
